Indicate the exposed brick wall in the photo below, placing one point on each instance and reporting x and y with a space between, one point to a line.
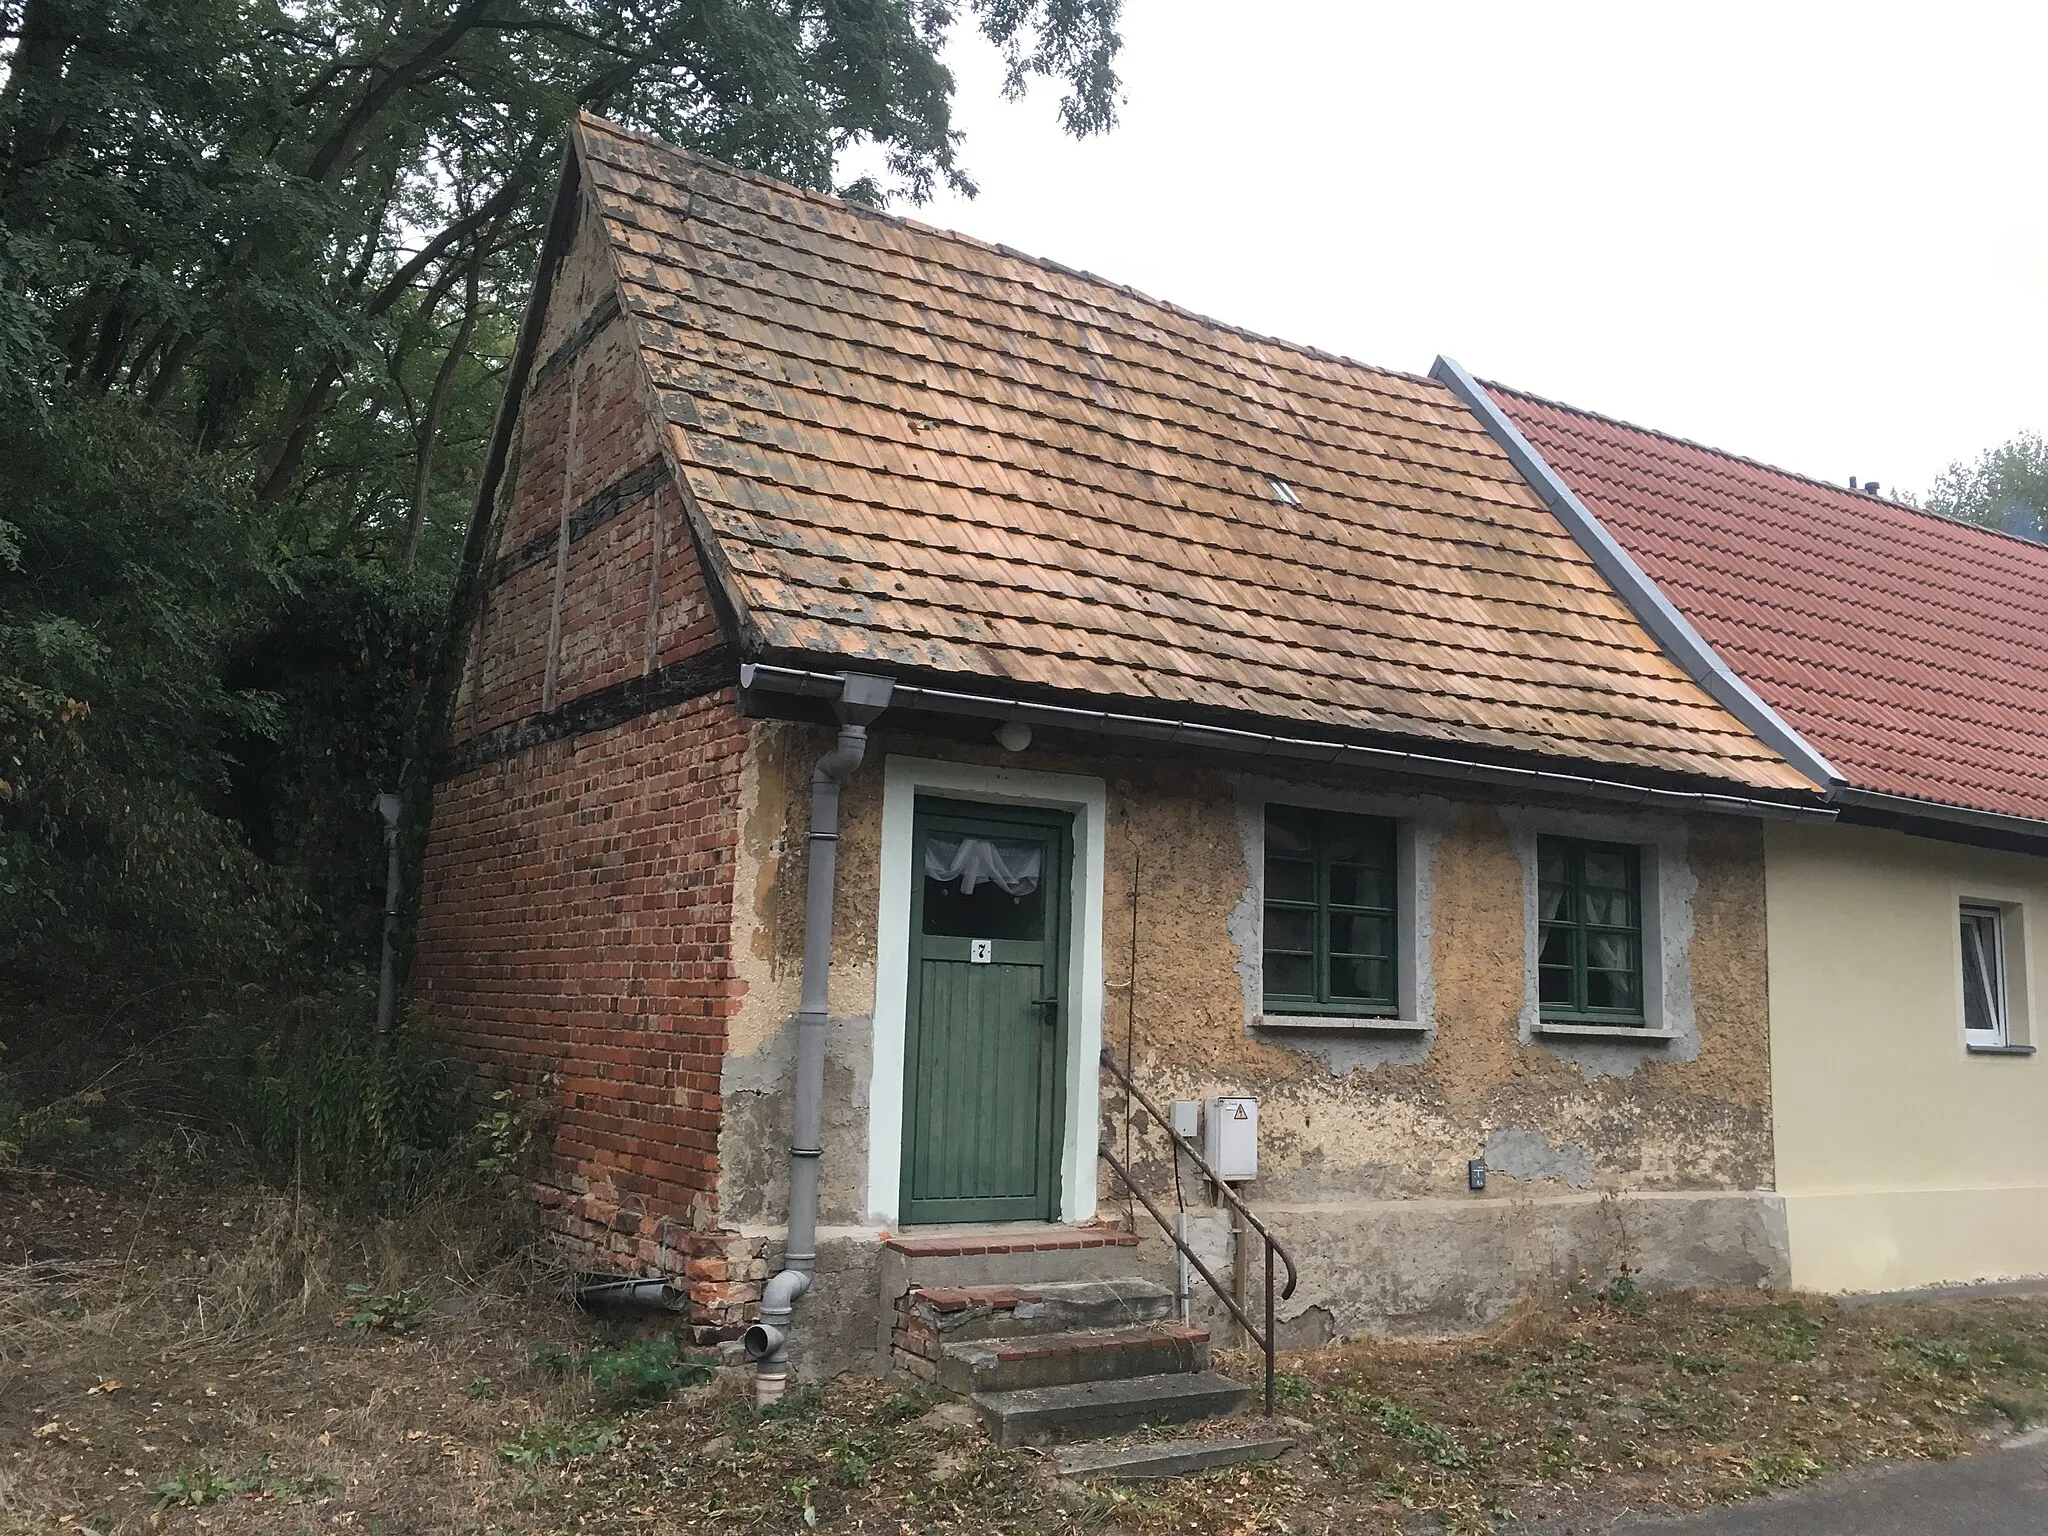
913 1340
576 901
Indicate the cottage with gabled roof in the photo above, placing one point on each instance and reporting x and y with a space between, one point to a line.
1903 651
901 671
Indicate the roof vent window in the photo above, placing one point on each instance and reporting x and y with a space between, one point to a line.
1283 492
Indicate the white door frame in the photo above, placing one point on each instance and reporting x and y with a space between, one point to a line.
903 780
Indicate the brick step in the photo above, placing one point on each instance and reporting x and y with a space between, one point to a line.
1090 1409
1061 1306
1028 1255
1057 1359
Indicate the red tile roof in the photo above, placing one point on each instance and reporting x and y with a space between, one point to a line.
1909 649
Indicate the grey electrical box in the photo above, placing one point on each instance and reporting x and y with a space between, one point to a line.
1230 1138
1185 1116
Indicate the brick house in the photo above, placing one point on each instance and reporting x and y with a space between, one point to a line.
1233 704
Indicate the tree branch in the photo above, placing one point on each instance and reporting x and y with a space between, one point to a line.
493 208
379 96
430 427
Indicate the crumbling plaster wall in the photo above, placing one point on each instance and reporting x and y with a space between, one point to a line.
1345 1122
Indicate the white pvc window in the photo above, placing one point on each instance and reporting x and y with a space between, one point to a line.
1985 1019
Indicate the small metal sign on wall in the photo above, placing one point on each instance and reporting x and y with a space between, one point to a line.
980 951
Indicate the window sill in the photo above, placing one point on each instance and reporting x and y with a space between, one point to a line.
1998 1050
1628 1034
1341 1023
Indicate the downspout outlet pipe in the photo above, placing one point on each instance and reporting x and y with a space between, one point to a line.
861 699
767 1342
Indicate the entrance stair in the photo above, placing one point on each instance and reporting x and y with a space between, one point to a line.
1052 1340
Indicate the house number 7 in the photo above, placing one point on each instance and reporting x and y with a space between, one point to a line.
981 951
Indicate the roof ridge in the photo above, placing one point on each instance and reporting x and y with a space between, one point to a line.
1045 263
1774 469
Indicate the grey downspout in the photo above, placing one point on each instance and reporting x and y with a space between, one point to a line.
861 699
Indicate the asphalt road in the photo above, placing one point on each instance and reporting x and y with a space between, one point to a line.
1998 1492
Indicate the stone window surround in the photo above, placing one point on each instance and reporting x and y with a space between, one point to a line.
1669 1030
1581 1011
1337 1010
1418 822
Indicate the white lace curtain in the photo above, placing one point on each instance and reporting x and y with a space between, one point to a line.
1012 868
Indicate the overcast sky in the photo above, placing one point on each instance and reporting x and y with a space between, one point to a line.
1813 234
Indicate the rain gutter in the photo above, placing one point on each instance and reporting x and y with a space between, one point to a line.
1909 808
757 678
1672 631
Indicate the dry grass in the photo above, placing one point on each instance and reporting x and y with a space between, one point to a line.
178 1358
184 1336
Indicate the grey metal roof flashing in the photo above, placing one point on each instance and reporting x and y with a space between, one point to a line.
1672 631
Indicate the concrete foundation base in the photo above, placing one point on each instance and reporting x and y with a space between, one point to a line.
1433 1268
1392 1268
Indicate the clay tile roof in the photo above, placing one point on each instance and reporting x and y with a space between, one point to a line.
1905 646
918 453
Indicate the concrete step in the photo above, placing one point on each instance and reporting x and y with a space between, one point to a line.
1055 1359
1060 1306
1090 1409
1168 1458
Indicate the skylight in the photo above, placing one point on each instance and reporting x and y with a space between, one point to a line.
1282 491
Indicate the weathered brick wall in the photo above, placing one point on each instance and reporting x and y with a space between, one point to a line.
576 905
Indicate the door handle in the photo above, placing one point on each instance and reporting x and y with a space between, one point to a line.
1049 1009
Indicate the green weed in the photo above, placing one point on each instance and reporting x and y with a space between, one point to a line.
1293 1390
200 1487
796 1407
1403 1423
1533 1383
1624 1295
1557 1458
915 1403
552 1442
799 1490
1952 1358
855 1460
398 1313
503 1135
644 1371
551 1360
1783 1470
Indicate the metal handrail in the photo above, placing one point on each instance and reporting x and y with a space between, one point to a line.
1273 1246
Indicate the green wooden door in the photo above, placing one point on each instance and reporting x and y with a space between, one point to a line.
987 1025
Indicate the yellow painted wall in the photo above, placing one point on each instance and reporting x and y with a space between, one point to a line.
1904 1159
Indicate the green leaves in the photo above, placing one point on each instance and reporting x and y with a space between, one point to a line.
2005 488
262 268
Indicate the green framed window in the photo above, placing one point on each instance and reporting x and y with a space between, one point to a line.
1331 913
1589 912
